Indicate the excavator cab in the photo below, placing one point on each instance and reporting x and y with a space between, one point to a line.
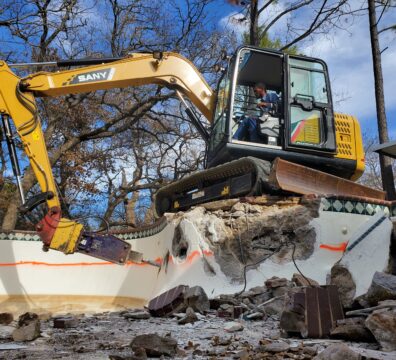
300 125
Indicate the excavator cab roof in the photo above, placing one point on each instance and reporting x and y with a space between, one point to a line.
260 66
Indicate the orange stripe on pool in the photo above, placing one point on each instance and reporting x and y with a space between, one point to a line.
341 247
158 261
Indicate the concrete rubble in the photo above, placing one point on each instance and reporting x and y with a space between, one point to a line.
239 326
272 320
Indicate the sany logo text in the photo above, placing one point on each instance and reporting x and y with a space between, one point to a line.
94 76
105 74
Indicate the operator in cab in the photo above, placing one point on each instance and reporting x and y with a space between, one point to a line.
248 127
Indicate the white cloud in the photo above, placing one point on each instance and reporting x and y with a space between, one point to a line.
348 56
230 21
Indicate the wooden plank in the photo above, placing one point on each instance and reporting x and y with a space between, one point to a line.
312 312
336 309
324 311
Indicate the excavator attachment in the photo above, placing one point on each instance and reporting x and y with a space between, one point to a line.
295 178
253 177
67 236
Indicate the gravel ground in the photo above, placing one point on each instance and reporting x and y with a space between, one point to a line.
108 336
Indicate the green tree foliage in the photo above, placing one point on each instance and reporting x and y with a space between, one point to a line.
265 41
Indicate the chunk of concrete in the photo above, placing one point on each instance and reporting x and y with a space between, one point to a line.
300 280
6 332
276 282
382 323
342 278
338 352
28 327
65 322
370 241
383 287
189 318
155 345
352 329
275 347
196 298
137 315
6 318
233 326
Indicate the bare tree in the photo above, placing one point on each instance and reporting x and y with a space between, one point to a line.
319 16
386 162
108 133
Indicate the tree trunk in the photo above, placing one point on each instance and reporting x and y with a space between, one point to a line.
385 162
130 208
254 29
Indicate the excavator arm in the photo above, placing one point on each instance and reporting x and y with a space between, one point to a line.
17 102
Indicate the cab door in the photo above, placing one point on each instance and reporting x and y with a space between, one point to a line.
309 112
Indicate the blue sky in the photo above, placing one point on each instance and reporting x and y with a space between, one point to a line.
348 55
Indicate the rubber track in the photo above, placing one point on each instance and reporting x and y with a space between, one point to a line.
222 172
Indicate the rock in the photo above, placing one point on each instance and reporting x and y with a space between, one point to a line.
28 327
226 307
254 316
247 294
280 291
6 332
299 280
230 311
225 205
221 341
352 329
189 318
196 298
258 290
65 322
137 315
292 319
274 307
263 297
6 318
275 282
342 278
215 303
226 313
169 302
233 326
140 354
275 347
382 323
155 345
360 302
178 299
242 354
383 287
338 352
310 350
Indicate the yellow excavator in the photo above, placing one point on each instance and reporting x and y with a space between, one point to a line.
303 146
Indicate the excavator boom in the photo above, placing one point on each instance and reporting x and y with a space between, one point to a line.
17 101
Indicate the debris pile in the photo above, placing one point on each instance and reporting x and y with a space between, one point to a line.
184 323
285 316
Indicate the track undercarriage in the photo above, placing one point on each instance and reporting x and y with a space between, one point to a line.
253 177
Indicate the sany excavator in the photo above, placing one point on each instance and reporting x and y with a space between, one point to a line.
304 149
